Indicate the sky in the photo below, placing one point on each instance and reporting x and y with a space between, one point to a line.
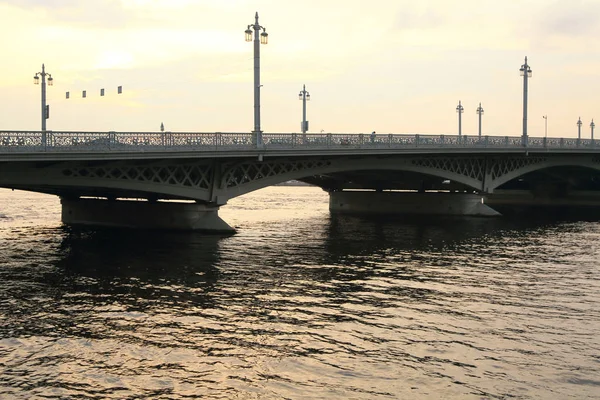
390 66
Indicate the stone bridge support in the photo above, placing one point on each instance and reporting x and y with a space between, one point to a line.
143 215
432 203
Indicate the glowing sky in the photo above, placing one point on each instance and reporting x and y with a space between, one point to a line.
386 65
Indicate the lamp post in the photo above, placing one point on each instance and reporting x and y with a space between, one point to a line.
480 113
579 123
545 125
525 73
257 133
304 96
45 108
460 109
592 125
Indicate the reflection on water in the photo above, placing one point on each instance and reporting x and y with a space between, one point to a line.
298 304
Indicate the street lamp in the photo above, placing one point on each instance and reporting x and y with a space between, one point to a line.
257 133
36 81
480 113
592 125
545 125
525 73
459 109
304 96
579 123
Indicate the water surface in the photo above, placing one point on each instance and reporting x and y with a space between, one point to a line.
298 304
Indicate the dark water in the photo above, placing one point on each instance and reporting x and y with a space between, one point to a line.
298 305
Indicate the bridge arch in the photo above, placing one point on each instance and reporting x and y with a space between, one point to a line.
249 175
508 169
122 179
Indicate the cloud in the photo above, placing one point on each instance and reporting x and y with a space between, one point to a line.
414 19
475 25
567 27
91 13
571 19
49 4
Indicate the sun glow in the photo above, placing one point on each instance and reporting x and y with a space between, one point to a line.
114 59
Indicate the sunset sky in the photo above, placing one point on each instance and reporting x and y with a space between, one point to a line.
392 66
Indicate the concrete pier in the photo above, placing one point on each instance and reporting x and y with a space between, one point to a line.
575 198
143 215
576 203
430 203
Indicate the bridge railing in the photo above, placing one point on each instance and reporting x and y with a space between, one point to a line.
20 140
84 142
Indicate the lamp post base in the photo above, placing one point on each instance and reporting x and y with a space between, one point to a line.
257 138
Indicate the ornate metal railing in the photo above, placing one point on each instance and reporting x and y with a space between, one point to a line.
85 142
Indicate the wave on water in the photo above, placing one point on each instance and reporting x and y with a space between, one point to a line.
299 304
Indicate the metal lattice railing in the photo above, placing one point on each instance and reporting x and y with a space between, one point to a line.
85 142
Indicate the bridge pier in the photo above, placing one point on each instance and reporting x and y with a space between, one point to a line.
428 203
143 215
574 203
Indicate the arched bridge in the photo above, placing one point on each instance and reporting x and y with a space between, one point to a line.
211 168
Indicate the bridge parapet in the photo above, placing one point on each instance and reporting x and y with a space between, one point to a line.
103 142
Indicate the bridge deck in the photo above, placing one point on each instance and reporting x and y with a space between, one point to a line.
93 145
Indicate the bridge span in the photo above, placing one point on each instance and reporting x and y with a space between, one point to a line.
123 178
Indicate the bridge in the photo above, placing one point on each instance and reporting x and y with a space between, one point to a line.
124 178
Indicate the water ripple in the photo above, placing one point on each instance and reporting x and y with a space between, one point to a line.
298 304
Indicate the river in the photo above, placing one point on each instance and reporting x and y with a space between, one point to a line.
298 304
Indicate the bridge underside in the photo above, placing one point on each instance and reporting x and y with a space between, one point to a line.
567 190
507 180
380 180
